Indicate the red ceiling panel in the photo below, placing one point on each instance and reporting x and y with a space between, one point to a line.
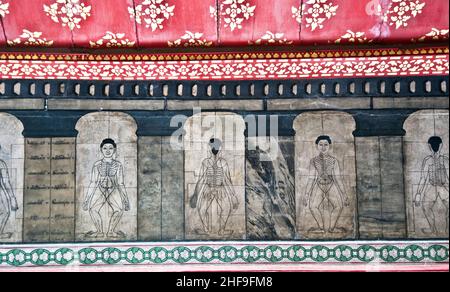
338 21
4 10
108 26
2 36
413 20
183 23
28 24
244 22
192 23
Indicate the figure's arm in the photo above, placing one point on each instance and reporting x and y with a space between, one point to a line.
229 186
122 188
422 182
340 184
91 189
310 183
198 187
7 185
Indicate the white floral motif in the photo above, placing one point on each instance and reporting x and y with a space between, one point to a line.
434 35
297 13
270 38
190 39
208 70
353 37
29 38
4 9
213 12
152 12
69 13
235 12
401 11
112 40
315 12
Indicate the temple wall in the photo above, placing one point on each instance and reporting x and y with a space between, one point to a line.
362 185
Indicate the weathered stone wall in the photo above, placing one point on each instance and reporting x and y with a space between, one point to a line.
330 174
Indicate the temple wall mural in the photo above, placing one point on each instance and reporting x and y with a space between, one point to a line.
11 178
224 135
214 166
426 152
325 175
214 182
106 180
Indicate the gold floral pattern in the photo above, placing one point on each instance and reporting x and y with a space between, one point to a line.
270 38
69 13
235 12
401 11
191 39
112 40
32 39
315 13
152 12
353 37
4 9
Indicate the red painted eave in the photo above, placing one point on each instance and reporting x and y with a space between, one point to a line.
217 24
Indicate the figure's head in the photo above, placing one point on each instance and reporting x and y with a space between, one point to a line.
323 143
108 148
435 143
215 145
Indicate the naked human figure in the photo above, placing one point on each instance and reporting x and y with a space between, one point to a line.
8 201
214 196
107 188
325 191
434 186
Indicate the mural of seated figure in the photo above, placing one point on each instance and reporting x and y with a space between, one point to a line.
214 194
433 187
325 192
8 201
107 189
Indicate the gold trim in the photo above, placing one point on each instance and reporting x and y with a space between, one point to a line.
220 56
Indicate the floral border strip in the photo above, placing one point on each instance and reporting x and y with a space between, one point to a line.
228 69
225 253
200 56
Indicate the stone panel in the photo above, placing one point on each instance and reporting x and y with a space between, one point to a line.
426 153
270 188
11 178
325 175
214 146
106 179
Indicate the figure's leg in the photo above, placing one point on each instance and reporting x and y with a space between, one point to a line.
116 205
444 195
225 210
428 202
336 208
315 206
97 204
204 207
446 216
4 216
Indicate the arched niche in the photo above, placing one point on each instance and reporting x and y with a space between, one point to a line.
106 184
215 180
325 175
12 155
426 152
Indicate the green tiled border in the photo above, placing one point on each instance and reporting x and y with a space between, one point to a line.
224 253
